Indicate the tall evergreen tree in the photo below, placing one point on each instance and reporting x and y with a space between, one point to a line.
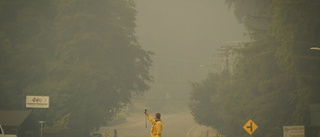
83 54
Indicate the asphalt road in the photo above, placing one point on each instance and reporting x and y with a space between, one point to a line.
174 125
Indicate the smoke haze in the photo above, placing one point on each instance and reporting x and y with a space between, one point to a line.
183 34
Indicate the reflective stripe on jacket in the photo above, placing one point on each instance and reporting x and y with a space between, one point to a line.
156 127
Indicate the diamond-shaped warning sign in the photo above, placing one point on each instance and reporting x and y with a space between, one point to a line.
250 127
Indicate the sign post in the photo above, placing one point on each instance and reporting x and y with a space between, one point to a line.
41 123
250 127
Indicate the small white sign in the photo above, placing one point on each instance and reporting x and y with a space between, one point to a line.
37 101
293 131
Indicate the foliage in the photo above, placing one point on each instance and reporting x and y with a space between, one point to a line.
119 118
276 77
22 57
58 126
84 55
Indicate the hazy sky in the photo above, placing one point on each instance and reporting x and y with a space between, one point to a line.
191 27
183 34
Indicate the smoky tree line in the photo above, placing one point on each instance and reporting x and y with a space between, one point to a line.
276 77
84 55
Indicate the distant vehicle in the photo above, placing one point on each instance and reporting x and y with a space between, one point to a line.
3 135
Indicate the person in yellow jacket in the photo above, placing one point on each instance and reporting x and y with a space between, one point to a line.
156 127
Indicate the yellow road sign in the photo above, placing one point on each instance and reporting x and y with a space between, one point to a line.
250 126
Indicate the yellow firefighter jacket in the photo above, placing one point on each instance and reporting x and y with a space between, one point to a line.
156 127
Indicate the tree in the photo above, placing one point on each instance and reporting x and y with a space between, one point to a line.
255 15
83 54
276 78
23 41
